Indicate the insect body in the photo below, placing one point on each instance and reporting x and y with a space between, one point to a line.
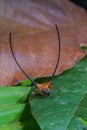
44 89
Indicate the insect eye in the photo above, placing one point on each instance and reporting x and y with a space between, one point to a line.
46 92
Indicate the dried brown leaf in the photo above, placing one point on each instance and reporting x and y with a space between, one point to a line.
34 37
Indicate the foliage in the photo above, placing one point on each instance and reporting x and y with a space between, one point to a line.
64 109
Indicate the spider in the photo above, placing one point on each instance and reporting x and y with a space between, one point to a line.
44 88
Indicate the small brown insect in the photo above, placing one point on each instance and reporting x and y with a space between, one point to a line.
44 89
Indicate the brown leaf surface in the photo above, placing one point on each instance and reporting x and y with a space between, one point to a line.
34 37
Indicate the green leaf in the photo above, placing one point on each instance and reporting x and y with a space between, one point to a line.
17 117
14 109
11 95
84 47
25 83
62 110
84 122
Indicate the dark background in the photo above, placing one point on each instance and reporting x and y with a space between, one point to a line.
82 3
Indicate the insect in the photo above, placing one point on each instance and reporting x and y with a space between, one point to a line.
44 88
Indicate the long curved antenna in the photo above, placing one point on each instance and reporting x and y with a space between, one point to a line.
34 83
51 78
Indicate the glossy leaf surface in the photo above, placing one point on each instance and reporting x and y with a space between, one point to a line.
67 103
14 109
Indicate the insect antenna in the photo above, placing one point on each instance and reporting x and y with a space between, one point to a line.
28 77
52 76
